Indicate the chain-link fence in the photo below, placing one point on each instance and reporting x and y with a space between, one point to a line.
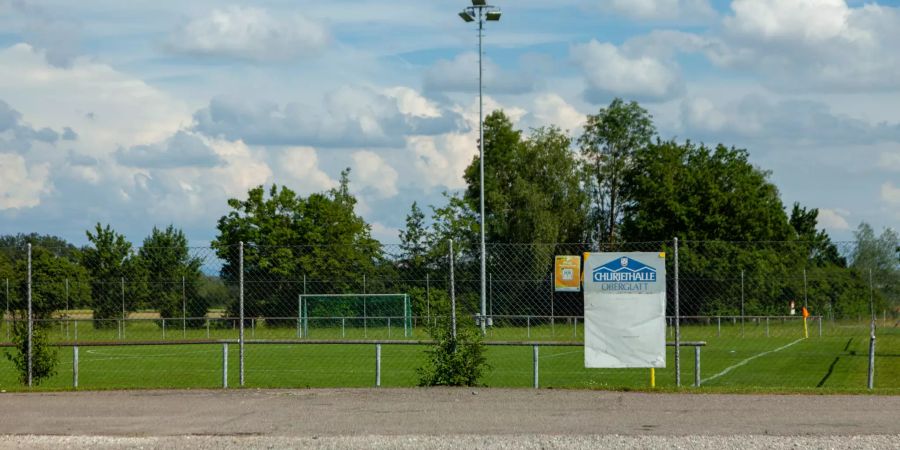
350 315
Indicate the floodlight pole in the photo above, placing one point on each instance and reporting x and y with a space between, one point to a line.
481 11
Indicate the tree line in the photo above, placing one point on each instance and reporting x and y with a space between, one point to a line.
615 184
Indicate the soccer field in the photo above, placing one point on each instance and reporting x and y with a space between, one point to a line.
756 357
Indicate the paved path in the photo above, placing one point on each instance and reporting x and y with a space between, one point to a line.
436 412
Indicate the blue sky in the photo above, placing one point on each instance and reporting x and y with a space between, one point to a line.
145 113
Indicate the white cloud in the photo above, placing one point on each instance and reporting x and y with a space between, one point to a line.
609 71
819 45
22 186
890 193
552 109
353 117
890 161
249 33
461 75
300 165
371 171
833 219
108 108
661 9
385 233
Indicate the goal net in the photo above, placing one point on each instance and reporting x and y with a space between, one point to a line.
355 310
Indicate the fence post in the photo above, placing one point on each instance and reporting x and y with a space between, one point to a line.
30 320
805 296
377 365
871 378
696 366
225 365
122 293
718 326
677 322
742 303
75 367
820 326
427 298
767 326
67 307
552 309
164 327
452 295
535 359
183 310
528 326
241 309
6 317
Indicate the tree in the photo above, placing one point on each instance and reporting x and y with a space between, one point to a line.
699 193
118 283
58 283
501 146
821 251
413 241
174 276
610 140
878 254
288 238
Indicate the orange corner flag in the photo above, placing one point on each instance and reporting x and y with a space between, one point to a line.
805 312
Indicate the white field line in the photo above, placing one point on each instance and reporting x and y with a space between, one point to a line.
744 362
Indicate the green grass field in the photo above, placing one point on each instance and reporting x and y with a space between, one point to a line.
735 358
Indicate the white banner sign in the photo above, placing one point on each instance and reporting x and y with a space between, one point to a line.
625 310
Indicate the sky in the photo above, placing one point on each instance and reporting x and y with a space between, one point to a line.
148 113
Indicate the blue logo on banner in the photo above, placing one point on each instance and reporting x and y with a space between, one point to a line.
625 270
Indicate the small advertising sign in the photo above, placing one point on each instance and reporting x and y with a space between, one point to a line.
567 276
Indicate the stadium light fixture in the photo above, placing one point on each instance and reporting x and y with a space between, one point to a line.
480 11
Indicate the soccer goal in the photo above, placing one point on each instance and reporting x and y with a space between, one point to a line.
354 310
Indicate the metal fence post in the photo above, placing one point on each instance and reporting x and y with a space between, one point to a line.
377 365
535 360
677 323
67 307
241 309
6 317
75 367
820 326
427 298
30 320
742 303
225 365
452 295
183 310
871 377
696 366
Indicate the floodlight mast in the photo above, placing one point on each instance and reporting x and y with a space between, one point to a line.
481 12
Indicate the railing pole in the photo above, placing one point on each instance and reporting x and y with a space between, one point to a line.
452 295
30 320
377 365
75 367
241 310
225 365
696 366
535 360
677 323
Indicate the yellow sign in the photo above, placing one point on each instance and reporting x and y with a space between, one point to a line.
567 276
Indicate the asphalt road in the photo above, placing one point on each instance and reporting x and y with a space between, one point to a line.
443 418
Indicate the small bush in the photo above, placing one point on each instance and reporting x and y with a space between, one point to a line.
454 362
43 358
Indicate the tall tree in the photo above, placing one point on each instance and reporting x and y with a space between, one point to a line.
610 140
820 250
118 283
532 185
288 238
174 275
413 241
502 143
878 254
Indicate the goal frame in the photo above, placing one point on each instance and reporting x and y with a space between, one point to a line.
303 310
